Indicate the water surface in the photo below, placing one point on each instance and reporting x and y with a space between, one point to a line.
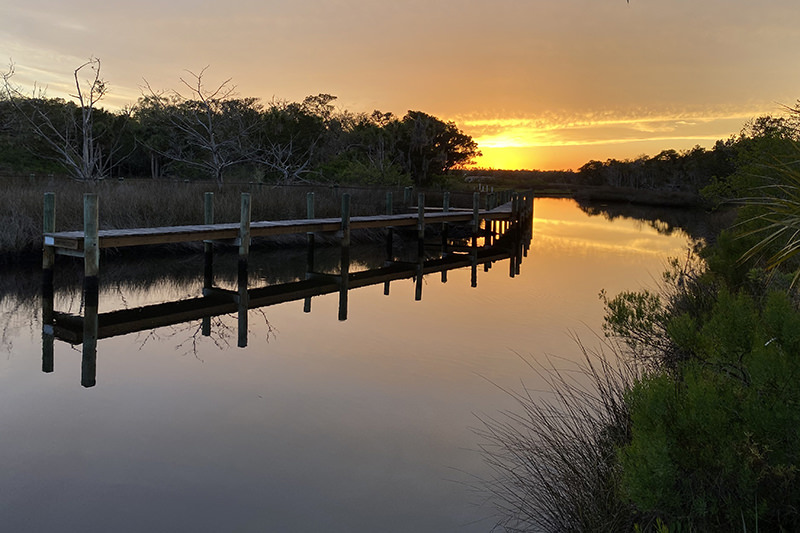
318 424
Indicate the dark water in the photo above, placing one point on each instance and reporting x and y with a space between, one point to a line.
317 424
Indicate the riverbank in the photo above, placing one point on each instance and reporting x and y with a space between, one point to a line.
628 195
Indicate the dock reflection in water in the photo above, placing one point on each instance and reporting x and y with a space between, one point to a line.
499 242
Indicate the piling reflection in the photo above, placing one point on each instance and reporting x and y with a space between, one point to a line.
486 245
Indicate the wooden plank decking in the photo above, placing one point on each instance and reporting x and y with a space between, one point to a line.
113 238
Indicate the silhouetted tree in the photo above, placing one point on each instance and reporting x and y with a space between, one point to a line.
81 137
209 129
432 146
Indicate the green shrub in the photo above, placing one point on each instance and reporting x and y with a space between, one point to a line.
717 448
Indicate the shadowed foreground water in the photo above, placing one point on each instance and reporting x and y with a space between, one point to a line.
318 424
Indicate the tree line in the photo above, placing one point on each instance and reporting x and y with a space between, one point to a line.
733 168
716 174
212 132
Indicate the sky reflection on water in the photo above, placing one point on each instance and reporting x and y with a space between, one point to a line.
317 425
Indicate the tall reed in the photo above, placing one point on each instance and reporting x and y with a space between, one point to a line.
554 457
148 203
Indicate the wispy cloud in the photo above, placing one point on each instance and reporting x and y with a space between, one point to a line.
607 127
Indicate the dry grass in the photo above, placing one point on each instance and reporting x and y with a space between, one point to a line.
148 203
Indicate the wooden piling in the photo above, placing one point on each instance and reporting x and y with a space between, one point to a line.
476 219
244 256
91 287
89 351
344 264
310 238
514 226
48 263
420 245
389 238
208 259
407 192
421 224
389 229
476 225
445 225
49 226
208 246
91 256
310 235
445 231
529 225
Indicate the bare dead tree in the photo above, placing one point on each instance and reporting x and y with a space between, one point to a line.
212 130
288 162
290 137
69 130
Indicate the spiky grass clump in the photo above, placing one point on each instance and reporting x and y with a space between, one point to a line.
774 219
554 459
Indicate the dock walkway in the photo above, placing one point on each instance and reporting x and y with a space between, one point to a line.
72 242
503 238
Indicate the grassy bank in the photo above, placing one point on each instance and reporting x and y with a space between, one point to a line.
148 203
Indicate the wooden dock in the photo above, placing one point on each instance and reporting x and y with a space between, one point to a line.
73 242
502 230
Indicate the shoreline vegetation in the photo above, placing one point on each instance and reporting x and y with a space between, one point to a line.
691 417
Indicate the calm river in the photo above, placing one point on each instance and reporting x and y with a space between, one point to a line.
318 424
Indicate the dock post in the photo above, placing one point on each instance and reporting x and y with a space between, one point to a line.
445 231
445 225
518 233
48 264
476 224
514 228
310 243
389 229
407 196
492 225
208 246
48 251
208 258
521 217
244 256
421 224
389 238
420 244
344 265
526 239
91 288
310 238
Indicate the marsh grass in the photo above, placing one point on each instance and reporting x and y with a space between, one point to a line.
554 456
149 203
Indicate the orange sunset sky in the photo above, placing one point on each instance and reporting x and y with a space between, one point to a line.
546 84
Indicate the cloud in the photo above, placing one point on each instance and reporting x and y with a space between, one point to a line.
607 127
